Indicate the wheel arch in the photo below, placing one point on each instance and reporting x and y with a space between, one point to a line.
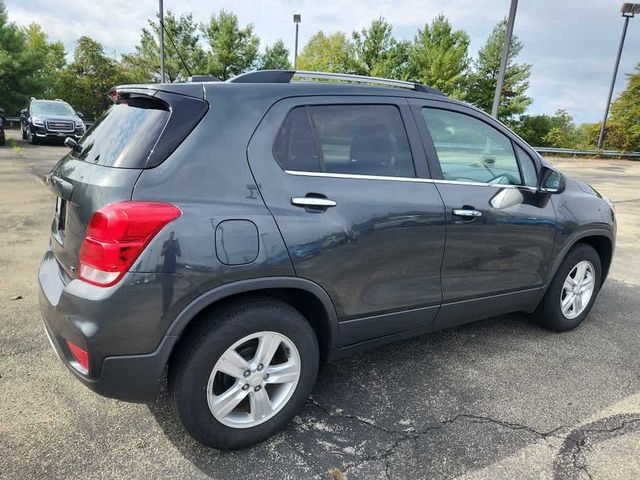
304 295
602 240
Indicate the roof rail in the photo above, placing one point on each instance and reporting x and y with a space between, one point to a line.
286 76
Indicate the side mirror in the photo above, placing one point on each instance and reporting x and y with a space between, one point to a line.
23 111
80 114
73 144
551 181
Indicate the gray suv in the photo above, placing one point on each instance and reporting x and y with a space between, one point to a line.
237 235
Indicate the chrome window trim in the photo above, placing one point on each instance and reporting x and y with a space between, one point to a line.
353 176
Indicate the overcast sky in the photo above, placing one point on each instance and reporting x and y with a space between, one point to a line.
570 43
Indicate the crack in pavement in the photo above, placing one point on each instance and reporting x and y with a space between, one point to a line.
578 437
408 435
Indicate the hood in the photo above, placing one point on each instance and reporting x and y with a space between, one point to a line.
62 118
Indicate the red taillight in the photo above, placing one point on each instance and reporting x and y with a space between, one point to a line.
116 236
80 356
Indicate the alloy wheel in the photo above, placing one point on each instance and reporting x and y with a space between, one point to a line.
253 380
577 289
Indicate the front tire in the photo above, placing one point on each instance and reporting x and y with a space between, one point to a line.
31 138
572 291
244 374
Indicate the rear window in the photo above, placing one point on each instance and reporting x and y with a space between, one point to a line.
350 139
126 134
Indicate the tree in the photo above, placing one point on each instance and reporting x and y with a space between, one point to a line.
563 131
234 50
48 57
181 46
623 128
373 44
333 53
484 77
438 57
27 63
534 129
86 81
275 57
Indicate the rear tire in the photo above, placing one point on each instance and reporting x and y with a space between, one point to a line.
567 301
198 386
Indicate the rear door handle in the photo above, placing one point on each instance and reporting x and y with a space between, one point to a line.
466 212
311 202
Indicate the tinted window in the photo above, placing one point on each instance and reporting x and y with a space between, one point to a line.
125 134
354 139
470 150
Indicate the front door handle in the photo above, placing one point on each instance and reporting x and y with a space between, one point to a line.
466 212
312 202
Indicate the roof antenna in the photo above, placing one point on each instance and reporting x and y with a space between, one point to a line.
184 64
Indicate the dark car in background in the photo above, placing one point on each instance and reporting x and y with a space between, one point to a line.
2 120
50 120
236 235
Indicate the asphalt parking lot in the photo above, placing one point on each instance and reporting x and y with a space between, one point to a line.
498 399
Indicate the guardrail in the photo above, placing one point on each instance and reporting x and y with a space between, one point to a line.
586 153
12 120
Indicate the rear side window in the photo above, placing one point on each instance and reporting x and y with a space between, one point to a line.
351 139
126 134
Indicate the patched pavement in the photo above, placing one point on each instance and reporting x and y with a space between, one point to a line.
498 399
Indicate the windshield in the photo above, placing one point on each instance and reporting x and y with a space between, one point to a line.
125 135
51 108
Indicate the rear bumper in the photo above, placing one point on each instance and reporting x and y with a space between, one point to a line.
131 378
107 324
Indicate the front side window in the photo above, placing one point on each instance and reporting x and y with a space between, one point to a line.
348 139
470 150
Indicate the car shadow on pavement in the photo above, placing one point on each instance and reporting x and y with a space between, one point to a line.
447 403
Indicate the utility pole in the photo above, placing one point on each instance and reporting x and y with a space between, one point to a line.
628 11
297 18
161 15
505 58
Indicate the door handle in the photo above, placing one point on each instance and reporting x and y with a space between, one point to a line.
312 202
466 212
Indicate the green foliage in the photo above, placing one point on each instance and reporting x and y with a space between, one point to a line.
28 63
438 57
86 81
275 57
484 77
234 50
333 53
557 131
623 127
143 65
563 131
534 129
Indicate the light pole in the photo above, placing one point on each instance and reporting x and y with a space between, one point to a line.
297 18
628 11
505 58
161 15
